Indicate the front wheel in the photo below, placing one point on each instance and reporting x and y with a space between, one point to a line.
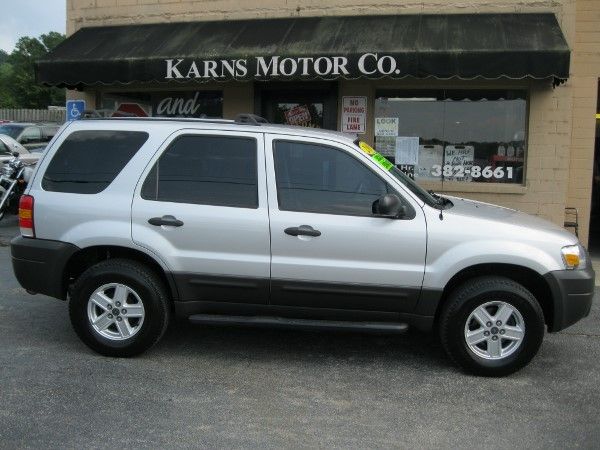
491 326
119 308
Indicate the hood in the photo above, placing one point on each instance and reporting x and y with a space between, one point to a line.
507 217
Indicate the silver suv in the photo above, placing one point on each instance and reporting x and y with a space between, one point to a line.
134 220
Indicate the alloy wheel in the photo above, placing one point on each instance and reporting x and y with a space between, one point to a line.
494 330
115 311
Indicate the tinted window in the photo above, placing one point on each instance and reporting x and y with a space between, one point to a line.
322 179
88 161
206 170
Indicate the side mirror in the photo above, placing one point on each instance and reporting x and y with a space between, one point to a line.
15 154
389 206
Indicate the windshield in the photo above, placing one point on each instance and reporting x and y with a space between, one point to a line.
11 130
410 184
413 187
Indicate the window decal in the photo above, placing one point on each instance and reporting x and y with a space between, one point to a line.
377 157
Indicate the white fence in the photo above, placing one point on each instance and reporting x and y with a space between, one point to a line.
33 115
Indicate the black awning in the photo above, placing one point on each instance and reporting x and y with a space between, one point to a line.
464 46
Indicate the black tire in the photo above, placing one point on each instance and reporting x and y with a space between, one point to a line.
474 293
144 282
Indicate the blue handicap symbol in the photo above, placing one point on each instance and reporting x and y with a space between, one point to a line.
75 109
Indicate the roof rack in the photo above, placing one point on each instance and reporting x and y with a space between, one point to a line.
241 119
250 119
159 119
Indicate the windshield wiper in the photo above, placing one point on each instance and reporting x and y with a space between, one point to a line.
442 201
438 197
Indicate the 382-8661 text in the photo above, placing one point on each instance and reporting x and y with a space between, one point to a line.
472 171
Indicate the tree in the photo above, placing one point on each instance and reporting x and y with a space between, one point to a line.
18 87
6 98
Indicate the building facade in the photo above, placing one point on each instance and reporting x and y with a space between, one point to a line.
462 95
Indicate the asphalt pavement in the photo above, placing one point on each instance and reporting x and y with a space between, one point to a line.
234 387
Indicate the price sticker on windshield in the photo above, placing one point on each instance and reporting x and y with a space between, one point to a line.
366 148
377 157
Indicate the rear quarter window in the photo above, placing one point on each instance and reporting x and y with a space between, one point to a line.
88 161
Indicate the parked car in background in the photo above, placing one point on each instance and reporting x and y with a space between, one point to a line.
30 135
8 145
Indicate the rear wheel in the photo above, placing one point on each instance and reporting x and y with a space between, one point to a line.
491 326
119 308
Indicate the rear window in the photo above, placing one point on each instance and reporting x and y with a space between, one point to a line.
88 161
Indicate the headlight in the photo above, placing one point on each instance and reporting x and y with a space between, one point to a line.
574 256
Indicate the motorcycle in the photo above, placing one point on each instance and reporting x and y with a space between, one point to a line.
14 176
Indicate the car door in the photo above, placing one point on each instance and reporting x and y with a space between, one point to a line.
201 206
353 259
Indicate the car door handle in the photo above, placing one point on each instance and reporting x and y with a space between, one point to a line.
169 221
302 230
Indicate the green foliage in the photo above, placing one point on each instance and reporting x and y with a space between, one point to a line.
18 88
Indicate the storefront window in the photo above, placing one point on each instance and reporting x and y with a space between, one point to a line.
163 104
454 135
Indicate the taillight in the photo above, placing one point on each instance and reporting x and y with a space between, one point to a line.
26 216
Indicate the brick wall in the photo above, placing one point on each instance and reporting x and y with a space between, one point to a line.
103 12
585 67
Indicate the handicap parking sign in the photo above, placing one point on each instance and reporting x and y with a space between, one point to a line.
75 109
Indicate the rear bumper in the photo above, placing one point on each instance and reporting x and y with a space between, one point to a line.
39 265
572 294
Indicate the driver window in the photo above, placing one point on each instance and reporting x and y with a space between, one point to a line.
322 179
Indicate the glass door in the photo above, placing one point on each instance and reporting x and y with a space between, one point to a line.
299 104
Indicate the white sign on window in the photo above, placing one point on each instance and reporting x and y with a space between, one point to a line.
407 150
429 156
459 156
354 114
386 126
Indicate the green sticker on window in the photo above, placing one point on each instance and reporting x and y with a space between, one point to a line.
378 157
382 161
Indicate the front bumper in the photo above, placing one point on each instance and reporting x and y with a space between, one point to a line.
572 294
39 265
